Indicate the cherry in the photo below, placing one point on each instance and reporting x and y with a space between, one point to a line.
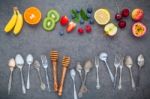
80 31
118 16
88 28
125 12
122 24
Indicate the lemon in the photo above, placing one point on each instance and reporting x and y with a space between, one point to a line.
102 16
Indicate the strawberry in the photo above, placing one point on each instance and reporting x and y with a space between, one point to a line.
64 20
71 26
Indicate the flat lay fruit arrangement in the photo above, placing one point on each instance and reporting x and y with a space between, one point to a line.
82 22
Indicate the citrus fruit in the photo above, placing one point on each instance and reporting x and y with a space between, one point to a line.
32 15
102 16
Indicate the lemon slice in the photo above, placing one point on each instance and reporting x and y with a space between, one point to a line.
102 16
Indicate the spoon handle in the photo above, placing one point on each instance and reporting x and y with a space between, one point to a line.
115 79
47 80
120 80
22 81
28 78
9 84
97 79
42 84
110 73
132 80
75 92
138 77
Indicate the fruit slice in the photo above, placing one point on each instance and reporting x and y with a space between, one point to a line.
138 29
137 14
64 20
110 29
48 24
102 16
71 26
54 15
32 15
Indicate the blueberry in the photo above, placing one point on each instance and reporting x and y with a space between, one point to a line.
91 21
78 10
61 33
89 10
89 15
81 21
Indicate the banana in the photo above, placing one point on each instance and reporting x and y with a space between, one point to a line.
10 25
19 24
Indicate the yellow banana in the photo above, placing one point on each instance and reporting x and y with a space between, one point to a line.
10 25
19 24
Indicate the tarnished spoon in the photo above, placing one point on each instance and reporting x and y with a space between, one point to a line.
79 69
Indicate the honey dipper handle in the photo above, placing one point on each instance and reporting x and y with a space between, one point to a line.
55 76
64 70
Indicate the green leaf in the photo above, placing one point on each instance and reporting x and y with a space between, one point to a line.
83 15
77 17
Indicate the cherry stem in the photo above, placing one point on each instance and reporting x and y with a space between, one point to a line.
117 6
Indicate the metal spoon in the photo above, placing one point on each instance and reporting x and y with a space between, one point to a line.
103 56
37 67
11 64
140 62
20 63
97 72
87 67
129 63
116 64
73 74
29 60
79 69
120 79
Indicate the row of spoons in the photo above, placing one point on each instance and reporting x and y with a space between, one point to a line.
19 62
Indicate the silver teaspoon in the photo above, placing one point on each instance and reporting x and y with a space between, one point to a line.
140 62
73 74
129 63
79 69
97 72
20 63
29 60
11 64
120 78
103 56
37 67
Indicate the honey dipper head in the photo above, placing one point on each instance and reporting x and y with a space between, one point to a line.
54 55
66 61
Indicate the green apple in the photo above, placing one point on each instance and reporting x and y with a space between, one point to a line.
110 29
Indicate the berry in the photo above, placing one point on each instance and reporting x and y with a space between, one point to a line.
89 15
80 31
91 21
81 21
122 24
125 12
118 16
61 33
78 10
88 28
89 10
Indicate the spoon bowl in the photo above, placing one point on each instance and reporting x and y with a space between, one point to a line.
29 59
128 61
140 60
103 56
19 61
72 73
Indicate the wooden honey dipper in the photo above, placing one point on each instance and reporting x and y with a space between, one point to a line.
54 60
65 64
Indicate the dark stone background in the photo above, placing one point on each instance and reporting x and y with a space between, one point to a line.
36 41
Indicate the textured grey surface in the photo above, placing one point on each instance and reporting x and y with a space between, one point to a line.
36 41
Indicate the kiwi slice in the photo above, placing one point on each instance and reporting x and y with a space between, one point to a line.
54 15
48 24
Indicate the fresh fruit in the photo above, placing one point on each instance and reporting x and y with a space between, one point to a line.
64 20
54 15
61 33
83 15
11 23
89 15
102 16
78 10
71 26
138 29
118 16
80 31
19 24
48 24
125 12
88 28
122 24
110 29
137 14
91 21
89 10
32 15
81 21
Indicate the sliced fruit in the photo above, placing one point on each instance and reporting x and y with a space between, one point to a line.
139 29
125 12
48 24
88 28
137 14
122 24
64 20
71 26
32 15
54 15
118 16
102 16
110 29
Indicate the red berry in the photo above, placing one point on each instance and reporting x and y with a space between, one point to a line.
122 24
88 28
64 20
80 31
125 12
118 16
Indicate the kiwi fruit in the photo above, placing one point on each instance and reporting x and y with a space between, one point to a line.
54 15
49 24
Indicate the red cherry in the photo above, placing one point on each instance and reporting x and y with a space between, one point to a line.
88 28
64 20
80 31
125 12
118 16
122 24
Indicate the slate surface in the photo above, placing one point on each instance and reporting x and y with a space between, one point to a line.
36 41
